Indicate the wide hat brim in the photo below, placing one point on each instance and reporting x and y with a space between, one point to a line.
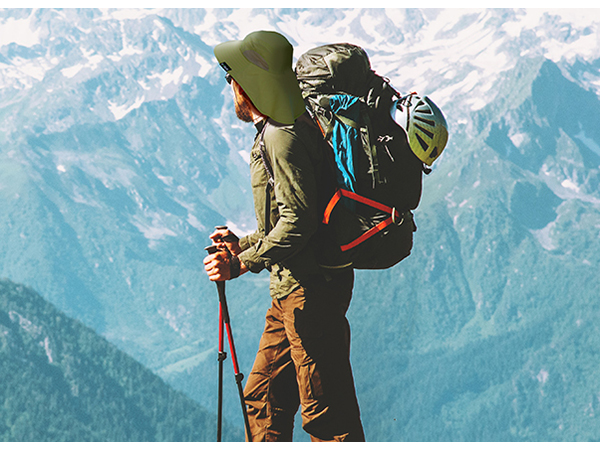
267 77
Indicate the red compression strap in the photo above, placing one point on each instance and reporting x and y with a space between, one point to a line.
358 198
367 201
367 234
336 198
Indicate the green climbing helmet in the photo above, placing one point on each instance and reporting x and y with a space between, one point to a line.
424 124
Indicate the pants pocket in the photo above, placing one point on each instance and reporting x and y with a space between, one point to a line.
309 382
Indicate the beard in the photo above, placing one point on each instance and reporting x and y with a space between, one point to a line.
242 109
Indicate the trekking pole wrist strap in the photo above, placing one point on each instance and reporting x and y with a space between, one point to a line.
234 267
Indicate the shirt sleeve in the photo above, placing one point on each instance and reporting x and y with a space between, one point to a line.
249 240
295 197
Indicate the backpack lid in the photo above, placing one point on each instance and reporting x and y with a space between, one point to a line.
334 68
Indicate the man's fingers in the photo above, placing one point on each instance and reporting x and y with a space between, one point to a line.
223 235
217 236
216 266
212 260
217 277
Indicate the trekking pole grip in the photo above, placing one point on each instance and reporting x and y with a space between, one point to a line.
220 286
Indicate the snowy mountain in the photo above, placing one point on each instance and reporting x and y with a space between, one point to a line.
120 151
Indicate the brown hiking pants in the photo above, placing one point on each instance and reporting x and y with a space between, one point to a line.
304 359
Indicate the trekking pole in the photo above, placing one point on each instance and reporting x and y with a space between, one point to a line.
224 320
222 356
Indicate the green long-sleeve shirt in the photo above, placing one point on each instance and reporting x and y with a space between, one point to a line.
290 249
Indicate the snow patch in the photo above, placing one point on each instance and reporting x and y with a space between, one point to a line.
205 65
544 237
449 200
584 47
121 176
167 180
18 31
100 165
120 111
129 50
518 138
93 61
477 103
70 72
77 197
168 76
47 349
35 68
565 189
569 184
464 90
178 320
155 230
590 143
25 323
125 14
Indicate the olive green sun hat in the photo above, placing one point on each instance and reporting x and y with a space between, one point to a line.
262 65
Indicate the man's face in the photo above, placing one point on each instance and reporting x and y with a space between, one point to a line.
242 103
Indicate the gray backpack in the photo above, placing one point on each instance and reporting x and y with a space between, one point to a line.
379 179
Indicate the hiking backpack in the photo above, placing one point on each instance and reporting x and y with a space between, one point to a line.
379 178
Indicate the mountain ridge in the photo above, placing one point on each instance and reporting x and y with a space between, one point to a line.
106 211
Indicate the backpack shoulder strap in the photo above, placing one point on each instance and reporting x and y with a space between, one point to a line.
270 178
263 156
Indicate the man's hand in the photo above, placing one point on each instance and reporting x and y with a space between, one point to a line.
222 236
223 266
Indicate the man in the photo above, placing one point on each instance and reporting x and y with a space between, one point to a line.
304 353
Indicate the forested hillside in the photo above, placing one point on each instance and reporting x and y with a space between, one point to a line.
63 382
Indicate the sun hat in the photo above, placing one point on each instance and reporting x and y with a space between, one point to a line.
261 64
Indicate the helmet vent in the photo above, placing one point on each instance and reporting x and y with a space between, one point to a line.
427 132
431 123
434 152
423 109
422 142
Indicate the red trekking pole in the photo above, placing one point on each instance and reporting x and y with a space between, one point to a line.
224 322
